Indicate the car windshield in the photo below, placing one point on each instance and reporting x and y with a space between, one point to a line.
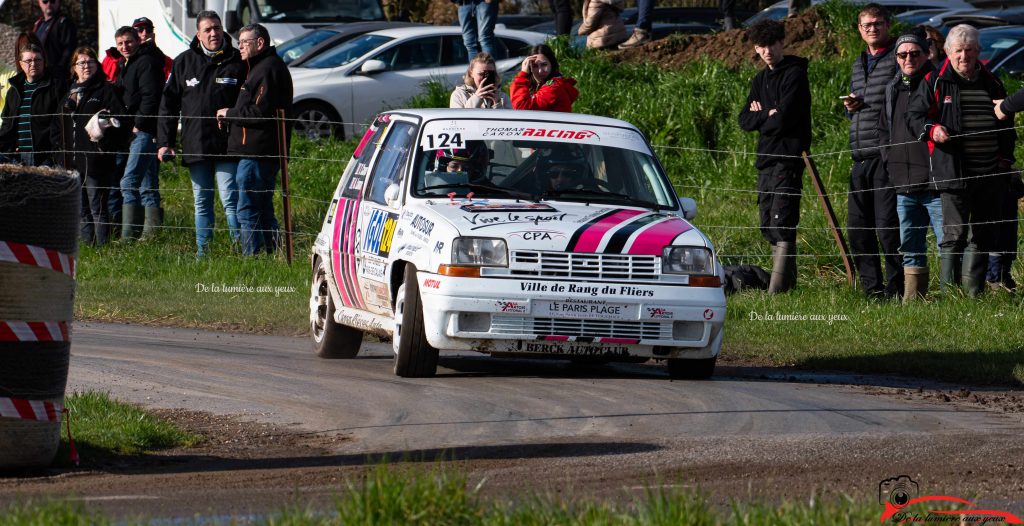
539 161
296 47
296 11
347 52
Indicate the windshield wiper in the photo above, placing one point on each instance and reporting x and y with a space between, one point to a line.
598 193
483 187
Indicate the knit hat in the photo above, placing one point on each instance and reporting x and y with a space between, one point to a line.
913 37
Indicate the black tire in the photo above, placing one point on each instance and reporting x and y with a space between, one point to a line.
330 339
414 357
317 120
683 369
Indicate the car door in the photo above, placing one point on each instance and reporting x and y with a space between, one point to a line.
378 220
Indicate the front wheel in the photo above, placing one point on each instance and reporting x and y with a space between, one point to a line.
683 369
316 120
414 357
330 339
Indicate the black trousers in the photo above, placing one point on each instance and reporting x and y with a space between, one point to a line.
778 202
563 16
872 221
95 211
974 216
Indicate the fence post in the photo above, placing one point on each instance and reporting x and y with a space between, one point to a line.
282 146
830 215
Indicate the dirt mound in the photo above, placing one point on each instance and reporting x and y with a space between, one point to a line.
805 36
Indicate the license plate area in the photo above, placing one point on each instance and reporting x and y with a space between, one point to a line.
585 310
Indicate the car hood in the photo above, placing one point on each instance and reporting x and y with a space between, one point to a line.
566 226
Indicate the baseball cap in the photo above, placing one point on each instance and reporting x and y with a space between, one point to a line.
143 22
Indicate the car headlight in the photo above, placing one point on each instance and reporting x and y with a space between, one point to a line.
479 251
687 260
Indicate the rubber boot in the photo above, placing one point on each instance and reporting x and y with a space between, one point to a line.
132 217
915 283
974 267
949 270
153 221
783 267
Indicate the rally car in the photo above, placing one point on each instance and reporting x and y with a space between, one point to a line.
514 233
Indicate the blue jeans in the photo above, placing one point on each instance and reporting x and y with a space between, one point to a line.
141 172
477 19
203 174
257 224
644 9
915 211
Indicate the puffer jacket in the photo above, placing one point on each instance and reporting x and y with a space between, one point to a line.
866 132
602 23
557 94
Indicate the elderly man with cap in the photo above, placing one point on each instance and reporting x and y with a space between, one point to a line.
917 203
971 153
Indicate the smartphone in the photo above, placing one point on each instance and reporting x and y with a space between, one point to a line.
844 97
490 78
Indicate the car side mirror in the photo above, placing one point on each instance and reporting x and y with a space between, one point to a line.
372 66
393 195
689 207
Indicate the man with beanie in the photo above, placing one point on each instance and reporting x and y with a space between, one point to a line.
779 107
871 218
917 203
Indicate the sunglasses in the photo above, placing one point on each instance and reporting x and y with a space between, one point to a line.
905 54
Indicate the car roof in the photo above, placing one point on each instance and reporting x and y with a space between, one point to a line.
938 4
423 31
555 118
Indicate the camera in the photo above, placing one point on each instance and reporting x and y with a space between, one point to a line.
897 491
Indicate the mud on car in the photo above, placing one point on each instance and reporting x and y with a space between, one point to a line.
514 233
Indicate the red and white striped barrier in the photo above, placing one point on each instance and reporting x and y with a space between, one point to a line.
37 257
34 331
41 410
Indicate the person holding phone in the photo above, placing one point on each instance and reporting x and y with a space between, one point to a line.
482 88
540 84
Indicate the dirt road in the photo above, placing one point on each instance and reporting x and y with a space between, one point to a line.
282 421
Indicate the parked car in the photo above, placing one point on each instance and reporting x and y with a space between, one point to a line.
379 70
779 10
514 233
312 43
1002 49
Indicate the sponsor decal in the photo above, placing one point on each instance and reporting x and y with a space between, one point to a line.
442 140
227 80
659 313
362 169
899 494
537 235
192 82
380 230
439 247
593 290
330 213
709 314
512 307
373 269
508 207
484 221
560 134
422 225
571 348
409 250
948 99
431 283
376 293
361 321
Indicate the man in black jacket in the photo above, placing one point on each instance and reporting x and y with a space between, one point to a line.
32 99
59 36
255 137
206 76
917 204
779 107
971 154
141 80
871 203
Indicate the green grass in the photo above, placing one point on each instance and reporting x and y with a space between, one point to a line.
682 112
103 426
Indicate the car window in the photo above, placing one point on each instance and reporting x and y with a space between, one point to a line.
455 53
393 159
347 52
514 47
1013 66
415 54
296 47
355 176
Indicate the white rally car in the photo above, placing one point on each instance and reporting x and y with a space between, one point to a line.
514 233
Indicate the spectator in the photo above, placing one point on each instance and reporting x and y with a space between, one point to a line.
477 18
255 134
33 97
936 42
111 57
482 88
90 97
602 23
144 27
59 36
917 204
779 107
872 215
563 16
795 6
971 151
642 30
539 85
205 77
999 265
141 80
19 44
728 9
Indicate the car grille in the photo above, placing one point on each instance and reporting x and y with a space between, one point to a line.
588 266
526 326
